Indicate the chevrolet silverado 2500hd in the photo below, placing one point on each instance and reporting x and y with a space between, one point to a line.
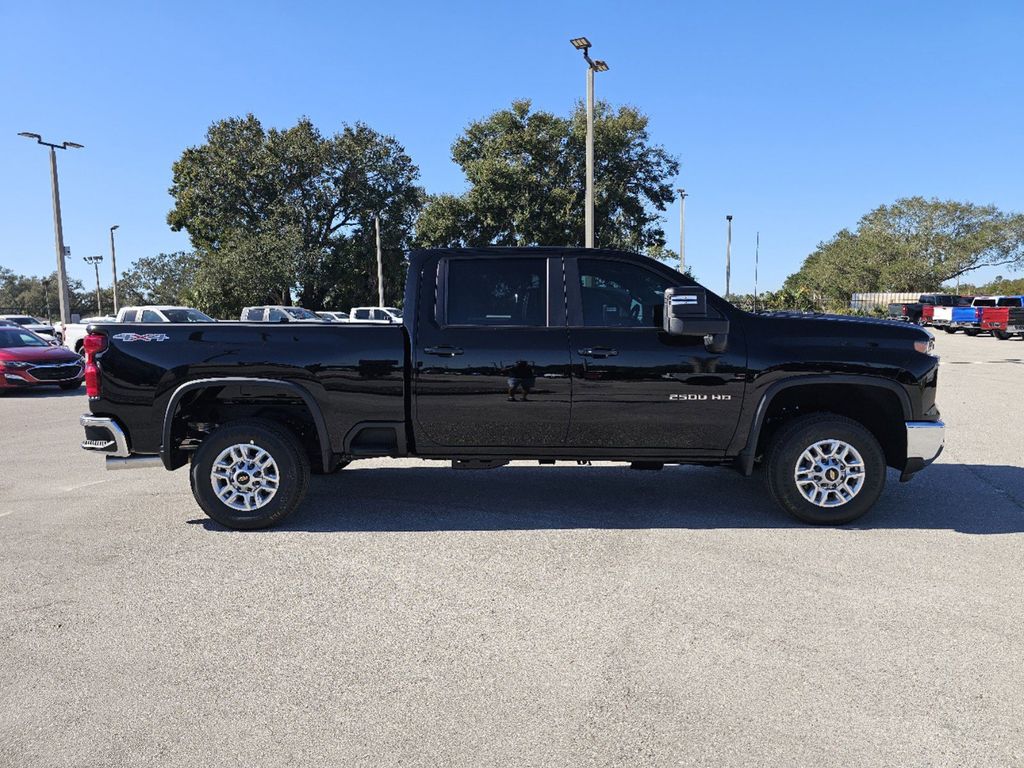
538 354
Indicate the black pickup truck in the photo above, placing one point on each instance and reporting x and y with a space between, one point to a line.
914 312
543 354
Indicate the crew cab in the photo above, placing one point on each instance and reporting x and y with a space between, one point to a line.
1006 319
914 312
541 354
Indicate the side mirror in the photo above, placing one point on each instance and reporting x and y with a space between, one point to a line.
686 314
53 343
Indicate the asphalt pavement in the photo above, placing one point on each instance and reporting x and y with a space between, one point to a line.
410 614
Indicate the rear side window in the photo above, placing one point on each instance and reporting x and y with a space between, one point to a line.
509 292
149 316
1010 301
362 314
254 315
129 317
984 302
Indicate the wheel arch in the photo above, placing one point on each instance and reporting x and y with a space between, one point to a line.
844 395
173 457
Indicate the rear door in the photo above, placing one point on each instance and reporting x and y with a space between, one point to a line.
490 354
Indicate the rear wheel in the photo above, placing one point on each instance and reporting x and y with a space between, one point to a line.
1002 335
250 474
947 329
825 469
971 331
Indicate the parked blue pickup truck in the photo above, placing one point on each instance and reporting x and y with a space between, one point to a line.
968 319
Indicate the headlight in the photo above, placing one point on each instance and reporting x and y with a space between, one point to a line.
926 347
14 365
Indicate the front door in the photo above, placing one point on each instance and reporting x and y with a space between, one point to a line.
491 361
635 386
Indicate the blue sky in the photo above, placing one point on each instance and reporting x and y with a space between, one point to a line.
796 118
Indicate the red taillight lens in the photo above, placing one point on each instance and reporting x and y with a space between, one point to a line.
92 345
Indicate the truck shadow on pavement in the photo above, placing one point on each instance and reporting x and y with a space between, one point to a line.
977 499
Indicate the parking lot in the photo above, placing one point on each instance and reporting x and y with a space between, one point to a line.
410 614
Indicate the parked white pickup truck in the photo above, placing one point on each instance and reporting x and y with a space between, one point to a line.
73 333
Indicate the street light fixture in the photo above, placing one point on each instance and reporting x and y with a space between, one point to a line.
95 261
58 227
113 263
583 44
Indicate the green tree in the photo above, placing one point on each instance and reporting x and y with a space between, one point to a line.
167 278
272 213
912 245
526 170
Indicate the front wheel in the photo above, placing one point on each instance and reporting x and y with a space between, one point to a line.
249 474
1002 335
972 331
947 329
825 469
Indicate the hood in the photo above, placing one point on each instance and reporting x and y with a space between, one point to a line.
803 328
39 354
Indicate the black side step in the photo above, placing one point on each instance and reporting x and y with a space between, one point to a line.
478 463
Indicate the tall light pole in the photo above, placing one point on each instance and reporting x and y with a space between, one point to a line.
95 261
113 264
58 227
728 254
682 229
380 266
582 44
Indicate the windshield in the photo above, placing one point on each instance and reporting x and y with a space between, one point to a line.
25 320
11 338
300 314
187 316
393 311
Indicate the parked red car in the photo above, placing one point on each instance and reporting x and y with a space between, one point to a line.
28 360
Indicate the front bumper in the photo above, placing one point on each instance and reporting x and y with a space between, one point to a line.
41 375
925 440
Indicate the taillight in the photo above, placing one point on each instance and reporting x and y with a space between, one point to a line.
92 345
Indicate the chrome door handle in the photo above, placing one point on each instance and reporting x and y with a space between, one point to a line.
443 351
598 353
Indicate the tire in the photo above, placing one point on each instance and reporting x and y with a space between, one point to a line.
947 329
972 331
1002 335
786 454
233 447
69 385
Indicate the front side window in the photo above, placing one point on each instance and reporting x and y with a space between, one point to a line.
620 294
497 292
187 316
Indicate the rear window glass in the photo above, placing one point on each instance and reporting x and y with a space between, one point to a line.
509 292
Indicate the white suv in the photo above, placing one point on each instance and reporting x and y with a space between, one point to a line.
279 314
375 315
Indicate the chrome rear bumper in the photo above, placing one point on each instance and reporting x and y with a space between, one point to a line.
104 436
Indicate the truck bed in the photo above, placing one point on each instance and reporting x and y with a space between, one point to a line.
354 372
